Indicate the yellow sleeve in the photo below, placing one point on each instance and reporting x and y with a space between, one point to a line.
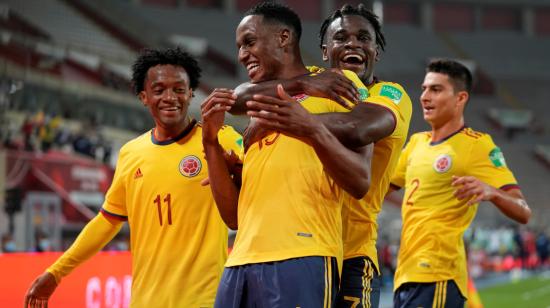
487 163
95 235
398 177
393 97
115 199
231 140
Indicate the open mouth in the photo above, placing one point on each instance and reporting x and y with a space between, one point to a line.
353 59
252 68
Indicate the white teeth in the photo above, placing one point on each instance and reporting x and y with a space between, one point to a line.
353 56
251 66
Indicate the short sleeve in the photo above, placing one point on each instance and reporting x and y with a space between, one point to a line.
393 97
115 199
231 140
487 163
398 177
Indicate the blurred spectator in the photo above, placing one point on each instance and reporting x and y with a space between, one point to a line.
543 248
8 243
42 242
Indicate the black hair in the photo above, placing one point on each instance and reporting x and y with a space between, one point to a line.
275 12
174 56
459 75
360 10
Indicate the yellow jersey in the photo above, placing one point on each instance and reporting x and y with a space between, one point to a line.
178 239
360 228
434 221
289 207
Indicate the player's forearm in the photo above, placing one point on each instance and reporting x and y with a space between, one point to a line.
245 92
95 235
512 204
349 169
224 190
365 124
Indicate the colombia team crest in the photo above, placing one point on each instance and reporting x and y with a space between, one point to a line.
443 163
190 166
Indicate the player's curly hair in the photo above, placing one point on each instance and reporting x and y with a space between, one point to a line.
360 10
152 57
276 12
459 75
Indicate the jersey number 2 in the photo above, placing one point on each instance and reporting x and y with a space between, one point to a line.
415 183
168 202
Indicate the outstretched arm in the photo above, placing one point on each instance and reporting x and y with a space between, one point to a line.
350 169
511 203
366 123
95 235
330 84
224 190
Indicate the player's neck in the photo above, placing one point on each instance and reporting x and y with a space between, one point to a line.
294 68
163 133
440 132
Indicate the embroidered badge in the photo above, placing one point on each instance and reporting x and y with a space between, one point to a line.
443 163
363 93
392 93
497 158
190 166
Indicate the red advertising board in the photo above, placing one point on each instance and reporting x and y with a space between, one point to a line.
104 281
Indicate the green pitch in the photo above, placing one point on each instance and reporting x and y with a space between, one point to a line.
532 292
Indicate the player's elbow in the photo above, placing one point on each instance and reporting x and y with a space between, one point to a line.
524 219
359 191
233 225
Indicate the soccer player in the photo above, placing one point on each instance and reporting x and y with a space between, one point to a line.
178 239
289 206
446 172
352 39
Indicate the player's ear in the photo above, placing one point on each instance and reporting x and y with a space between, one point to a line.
143 98
285 37
463 97
377 54
325 52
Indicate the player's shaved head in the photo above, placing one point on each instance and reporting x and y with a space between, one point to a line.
277 13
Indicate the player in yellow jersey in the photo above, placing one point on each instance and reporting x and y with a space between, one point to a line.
289 206
446 172
351 39
178 238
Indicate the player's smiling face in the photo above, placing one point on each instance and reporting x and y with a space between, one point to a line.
350 43
258 48
167 95
440 102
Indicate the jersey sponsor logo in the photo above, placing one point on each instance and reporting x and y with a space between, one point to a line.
363 93
138 174
190 166
443 163
304 234
392 93
300 97
497 158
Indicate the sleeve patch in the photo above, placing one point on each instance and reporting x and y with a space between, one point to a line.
497 158
363 94
392 93
239 142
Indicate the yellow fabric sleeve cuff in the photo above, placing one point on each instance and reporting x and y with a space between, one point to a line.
95 235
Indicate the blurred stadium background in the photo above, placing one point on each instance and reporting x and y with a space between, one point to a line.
66 108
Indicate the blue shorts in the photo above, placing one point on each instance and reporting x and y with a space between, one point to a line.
302 282
360 284
441 294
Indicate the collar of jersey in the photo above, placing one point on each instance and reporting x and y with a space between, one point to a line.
184 133
447 138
